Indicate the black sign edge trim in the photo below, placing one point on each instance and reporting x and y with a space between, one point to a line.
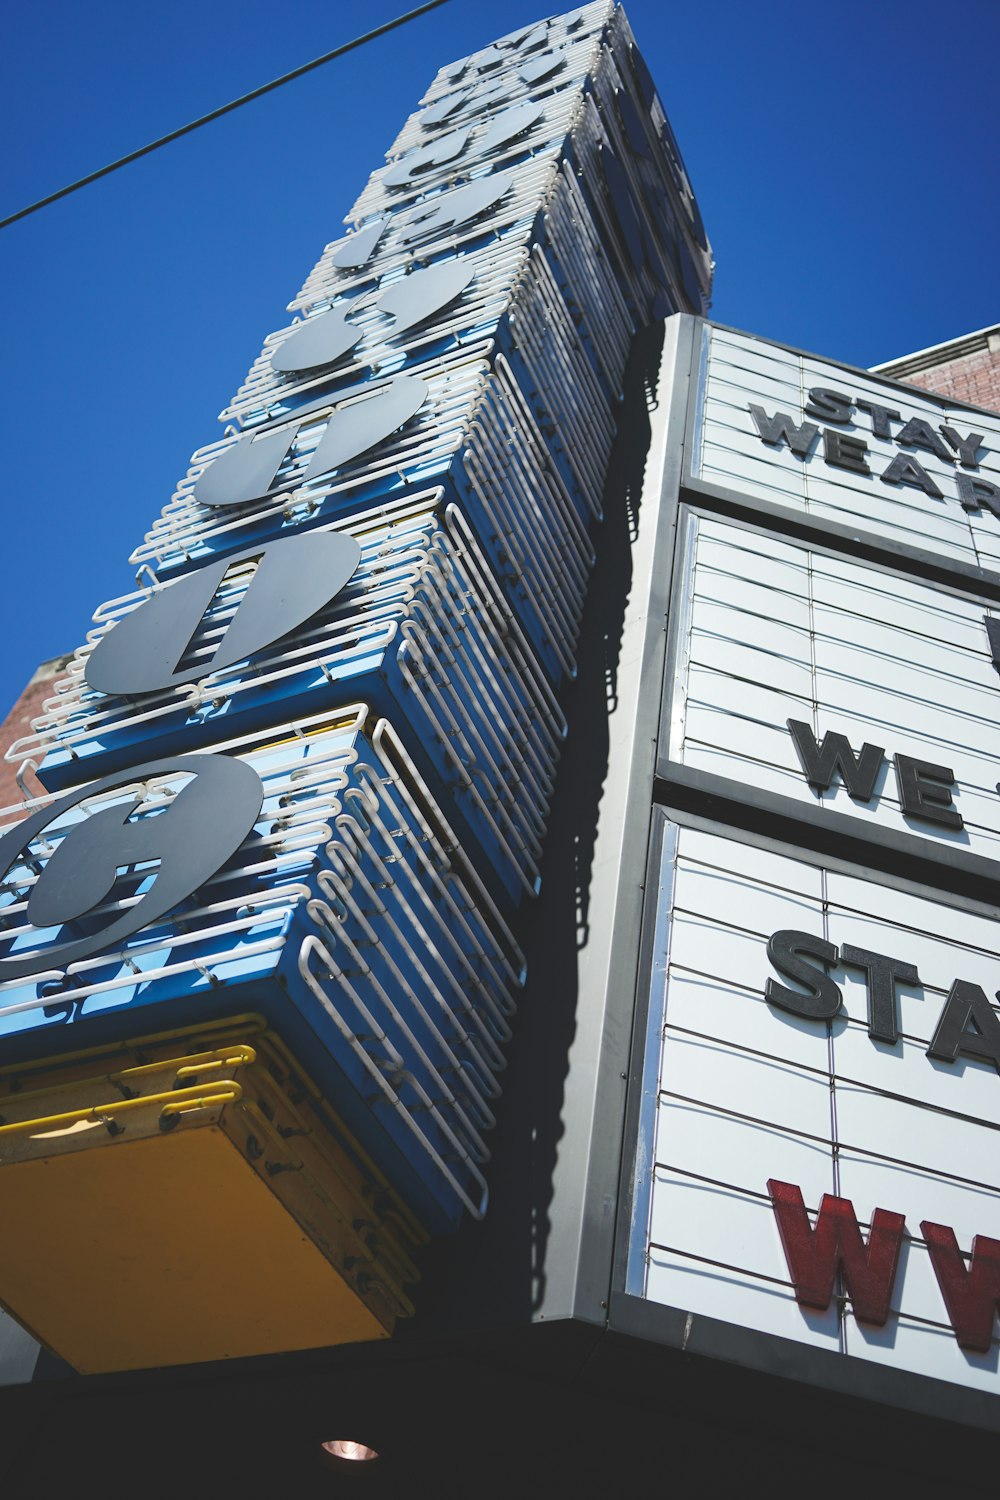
869 1381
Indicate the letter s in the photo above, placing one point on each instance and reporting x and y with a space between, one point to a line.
790 952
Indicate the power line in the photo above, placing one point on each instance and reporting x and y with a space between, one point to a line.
225 109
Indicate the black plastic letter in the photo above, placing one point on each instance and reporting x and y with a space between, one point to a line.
843 451
881 417
993 636
965 447
790 952
834 753
881 974
968 1025
829 406
906 470
975 493
782 428
920 434
925 791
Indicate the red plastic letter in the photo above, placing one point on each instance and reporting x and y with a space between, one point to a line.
814 1256
969 1295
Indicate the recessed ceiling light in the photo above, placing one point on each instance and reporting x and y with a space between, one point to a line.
349 1451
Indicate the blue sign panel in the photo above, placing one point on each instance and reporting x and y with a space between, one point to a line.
349 917
419 630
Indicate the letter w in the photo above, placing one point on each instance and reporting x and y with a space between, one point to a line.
969 1295
822 762
781 428
815 1256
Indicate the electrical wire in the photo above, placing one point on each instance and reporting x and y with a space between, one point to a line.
225 109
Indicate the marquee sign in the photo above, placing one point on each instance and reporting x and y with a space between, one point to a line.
817 1085
821 1041
302 773
845 449
850 687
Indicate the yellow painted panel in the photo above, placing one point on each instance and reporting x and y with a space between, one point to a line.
297 1154
19 1085
164 1251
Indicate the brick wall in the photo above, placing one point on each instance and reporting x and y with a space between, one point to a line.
965 369
18 722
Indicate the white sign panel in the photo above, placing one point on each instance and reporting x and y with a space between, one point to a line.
831 681
756 1107
841 447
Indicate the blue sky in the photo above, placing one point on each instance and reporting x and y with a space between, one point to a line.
843 157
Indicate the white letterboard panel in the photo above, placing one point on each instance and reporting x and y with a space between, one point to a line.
738 1092
739 372
769 630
